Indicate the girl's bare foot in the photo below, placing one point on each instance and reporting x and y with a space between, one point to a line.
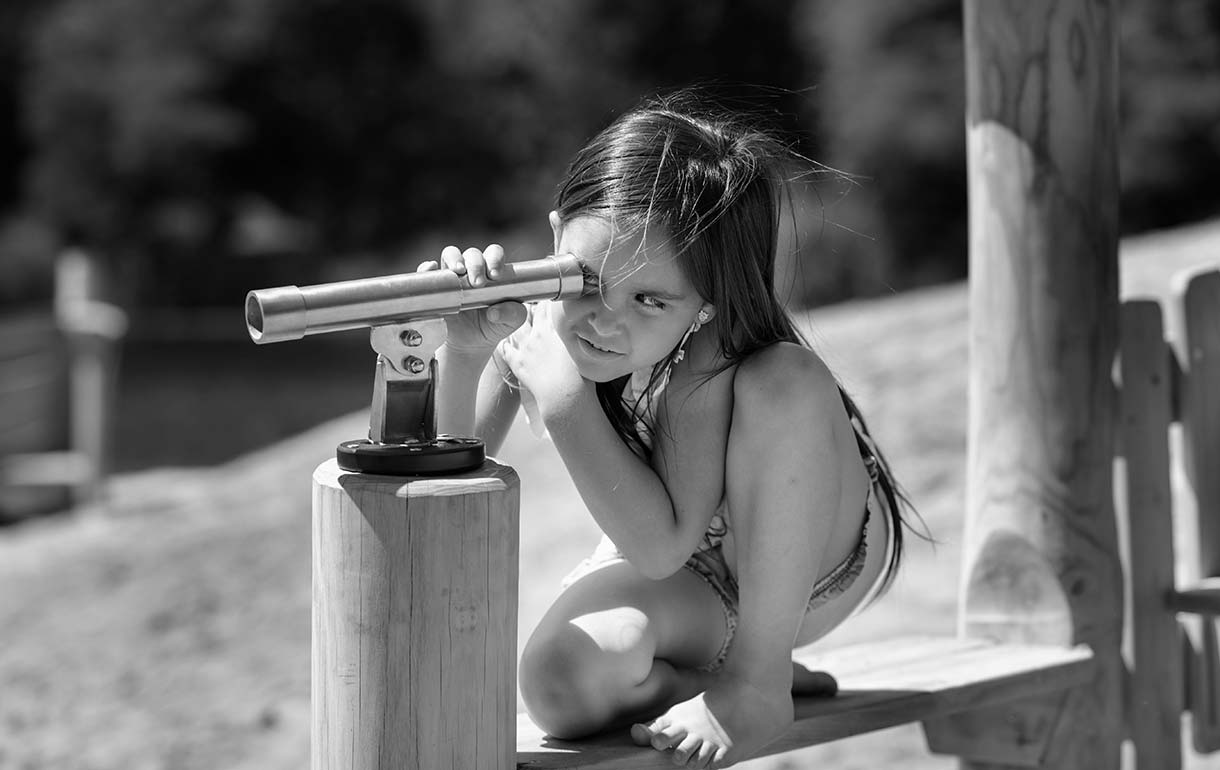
729 722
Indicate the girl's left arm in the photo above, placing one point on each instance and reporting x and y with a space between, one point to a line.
655 514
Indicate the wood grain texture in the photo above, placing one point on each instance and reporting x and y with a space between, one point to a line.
414 620
882 684
1155 697
1041 560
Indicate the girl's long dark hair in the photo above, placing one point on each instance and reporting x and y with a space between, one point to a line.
711 181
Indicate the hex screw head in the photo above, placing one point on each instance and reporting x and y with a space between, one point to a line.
411 338
413 364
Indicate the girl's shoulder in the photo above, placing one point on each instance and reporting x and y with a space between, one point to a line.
784 367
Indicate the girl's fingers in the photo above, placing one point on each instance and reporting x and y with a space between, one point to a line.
507 314
451 258
476 266
493 255
426 266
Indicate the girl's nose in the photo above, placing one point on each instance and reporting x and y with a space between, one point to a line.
603 320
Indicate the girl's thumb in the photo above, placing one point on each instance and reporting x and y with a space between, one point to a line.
507 314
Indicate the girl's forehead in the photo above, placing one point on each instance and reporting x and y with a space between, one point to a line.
598 243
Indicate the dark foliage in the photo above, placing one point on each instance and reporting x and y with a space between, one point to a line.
203 145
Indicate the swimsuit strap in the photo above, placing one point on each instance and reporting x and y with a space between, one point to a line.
868 450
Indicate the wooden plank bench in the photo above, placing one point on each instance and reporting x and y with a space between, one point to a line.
881 684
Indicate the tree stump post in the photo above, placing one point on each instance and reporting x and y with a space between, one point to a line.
414 620
1041 557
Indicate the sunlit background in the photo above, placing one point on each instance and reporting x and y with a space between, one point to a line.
160 159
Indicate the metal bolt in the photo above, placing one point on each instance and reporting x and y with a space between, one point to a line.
413 364
411 338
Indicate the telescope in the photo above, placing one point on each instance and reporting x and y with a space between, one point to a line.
405 314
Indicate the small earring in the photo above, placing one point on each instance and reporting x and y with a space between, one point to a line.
700 319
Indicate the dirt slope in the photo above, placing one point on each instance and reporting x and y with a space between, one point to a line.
171 630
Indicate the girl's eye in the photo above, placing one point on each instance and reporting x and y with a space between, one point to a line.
649 301
592 281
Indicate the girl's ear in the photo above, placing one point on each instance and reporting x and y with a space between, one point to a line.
556 227
706 313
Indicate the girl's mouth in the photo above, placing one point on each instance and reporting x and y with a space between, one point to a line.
595 349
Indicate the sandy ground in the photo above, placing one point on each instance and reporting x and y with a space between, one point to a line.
170 628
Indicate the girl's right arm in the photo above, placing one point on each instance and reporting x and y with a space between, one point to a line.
472 398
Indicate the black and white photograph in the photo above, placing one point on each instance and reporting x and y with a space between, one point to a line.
541 384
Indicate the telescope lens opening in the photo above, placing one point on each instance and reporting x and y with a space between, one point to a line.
254 316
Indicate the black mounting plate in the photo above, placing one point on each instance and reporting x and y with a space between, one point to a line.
442 455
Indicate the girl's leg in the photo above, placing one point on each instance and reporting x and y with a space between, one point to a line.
785 476
617 647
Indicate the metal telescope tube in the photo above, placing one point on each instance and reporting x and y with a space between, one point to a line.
291 312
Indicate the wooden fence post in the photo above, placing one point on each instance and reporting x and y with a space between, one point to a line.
93 328
414 620
1041 554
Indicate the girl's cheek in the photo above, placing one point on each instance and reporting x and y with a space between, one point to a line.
561 313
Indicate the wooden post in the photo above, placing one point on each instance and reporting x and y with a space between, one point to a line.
414 620
1198 303
1041 560
93 328
1155 687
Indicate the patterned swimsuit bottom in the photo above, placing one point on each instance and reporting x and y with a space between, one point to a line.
709 563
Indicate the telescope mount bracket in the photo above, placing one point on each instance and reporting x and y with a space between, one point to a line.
402 424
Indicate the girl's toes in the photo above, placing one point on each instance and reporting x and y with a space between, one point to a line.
688 748
659 734
667 739
703 757
640 735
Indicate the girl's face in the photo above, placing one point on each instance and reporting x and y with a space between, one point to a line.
638 303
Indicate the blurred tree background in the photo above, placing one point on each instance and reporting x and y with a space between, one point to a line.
205 147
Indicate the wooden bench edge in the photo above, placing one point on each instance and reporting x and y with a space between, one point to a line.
856 709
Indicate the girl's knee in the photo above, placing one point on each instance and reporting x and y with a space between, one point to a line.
571 681
556 690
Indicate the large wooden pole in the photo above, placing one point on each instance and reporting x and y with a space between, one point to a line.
1041 552
414 620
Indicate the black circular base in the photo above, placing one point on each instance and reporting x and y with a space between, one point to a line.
445 454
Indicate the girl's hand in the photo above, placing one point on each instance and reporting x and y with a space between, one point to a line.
477 331
537 357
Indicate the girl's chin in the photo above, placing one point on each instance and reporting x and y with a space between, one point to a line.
599 372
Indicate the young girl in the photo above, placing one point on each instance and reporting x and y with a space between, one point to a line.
746 511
